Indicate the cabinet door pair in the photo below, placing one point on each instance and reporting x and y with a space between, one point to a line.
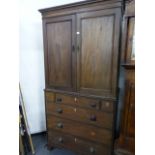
81 51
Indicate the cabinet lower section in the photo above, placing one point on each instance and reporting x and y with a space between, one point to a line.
74 143
82 124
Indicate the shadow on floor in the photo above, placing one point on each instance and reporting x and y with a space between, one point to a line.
40 142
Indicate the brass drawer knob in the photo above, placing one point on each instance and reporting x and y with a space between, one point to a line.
93 105
58 100
59 110
60 125
92 150
60 139
93 118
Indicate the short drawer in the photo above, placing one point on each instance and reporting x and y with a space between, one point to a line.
67 99
89 102
80 129
94 117
78 101
77 144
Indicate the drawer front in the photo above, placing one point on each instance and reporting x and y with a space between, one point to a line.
94 117
72 142
85 131
90 103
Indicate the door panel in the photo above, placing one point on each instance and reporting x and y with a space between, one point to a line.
97 35
131 111
98 41
59 55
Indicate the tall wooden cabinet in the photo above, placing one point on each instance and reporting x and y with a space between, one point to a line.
126 141
81 52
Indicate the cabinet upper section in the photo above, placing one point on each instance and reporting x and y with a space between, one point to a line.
81 46
83 6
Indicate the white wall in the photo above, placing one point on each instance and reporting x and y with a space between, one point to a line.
31 60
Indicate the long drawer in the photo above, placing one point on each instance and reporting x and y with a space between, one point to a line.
72 142
104 105
80 129
94 117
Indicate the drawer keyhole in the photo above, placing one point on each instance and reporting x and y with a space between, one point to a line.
107 104
75 140
60 125
92 150
60 140
75 110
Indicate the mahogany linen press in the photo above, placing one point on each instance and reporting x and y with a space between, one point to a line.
81 54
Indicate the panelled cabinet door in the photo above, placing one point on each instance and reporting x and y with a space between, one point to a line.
98 48
59 52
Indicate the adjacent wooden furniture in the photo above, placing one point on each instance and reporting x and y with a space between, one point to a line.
81 51
126 141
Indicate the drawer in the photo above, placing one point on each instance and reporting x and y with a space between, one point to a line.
78 101
74 143
94 117
89 102
80 129
67 99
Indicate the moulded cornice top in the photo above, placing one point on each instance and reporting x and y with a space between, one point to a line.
81 3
